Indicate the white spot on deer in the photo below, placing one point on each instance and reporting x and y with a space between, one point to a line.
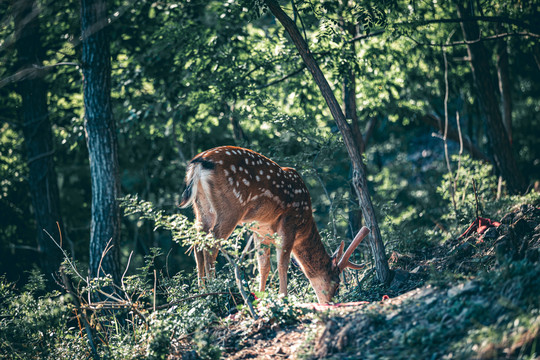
246 171
226 172
257 178
237 184
268 177
240 168
271 171
261 172
247 161
233 168
245 181
227 152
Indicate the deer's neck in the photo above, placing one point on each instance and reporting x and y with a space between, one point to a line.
310 252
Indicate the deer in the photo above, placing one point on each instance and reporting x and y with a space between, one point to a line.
229 186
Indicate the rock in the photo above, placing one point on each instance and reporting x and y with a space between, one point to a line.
491 233
521 227
532 255
508 218
462 289
504 249
464 249
400 277
526 208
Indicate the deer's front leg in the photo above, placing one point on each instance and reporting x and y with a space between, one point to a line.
263 259
284 249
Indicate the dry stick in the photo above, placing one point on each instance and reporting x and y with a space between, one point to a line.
66 257
155 283
460 152
104 252
124 275
475 197
69 289
239 284
446 128
172 303
331 208
87 328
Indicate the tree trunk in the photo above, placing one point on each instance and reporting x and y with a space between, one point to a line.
38 137
353 148
503 72
101 141
487 92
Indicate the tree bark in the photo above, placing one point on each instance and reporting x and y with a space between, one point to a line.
503 72
101 141
353 148
487 92
38 137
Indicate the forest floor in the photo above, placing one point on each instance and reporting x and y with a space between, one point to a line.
477 296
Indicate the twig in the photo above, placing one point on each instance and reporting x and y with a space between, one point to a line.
87 328
239 284
446 94
475 197
164 306
66 257
460 152
124 275
105 251
155 284
468 42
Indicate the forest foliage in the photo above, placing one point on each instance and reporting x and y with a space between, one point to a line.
191 75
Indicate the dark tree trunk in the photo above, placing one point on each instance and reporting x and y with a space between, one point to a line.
239 135
353 148
101 141
487 92
503 72
38 137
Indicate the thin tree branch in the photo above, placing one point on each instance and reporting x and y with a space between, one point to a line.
492 19
436 123
480 39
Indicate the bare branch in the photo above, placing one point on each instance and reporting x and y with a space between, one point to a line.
492 19
480 39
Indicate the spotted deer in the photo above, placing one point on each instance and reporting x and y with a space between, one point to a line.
230 185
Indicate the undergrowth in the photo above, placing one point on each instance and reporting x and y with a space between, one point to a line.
151 314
